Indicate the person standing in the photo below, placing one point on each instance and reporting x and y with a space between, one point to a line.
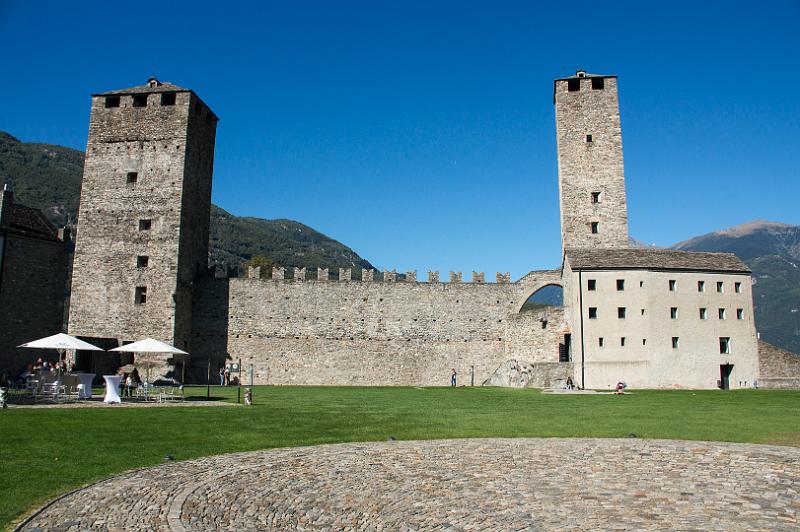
227 376
222 376
453 378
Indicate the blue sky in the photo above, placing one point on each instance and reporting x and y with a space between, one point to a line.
422 134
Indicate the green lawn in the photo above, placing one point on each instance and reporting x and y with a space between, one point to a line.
48 451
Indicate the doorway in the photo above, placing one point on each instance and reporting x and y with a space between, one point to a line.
725 371
565 349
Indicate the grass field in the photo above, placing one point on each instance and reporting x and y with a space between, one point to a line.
44 452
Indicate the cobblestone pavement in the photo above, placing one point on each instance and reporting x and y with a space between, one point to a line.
479 484
124 404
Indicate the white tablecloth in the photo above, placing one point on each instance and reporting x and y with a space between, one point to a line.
112 388
85 392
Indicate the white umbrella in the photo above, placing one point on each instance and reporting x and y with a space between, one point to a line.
61 341
148 345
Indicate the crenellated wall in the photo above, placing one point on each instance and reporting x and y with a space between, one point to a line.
368 332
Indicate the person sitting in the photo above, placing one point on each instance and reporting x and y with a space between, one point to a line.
619 390
569 384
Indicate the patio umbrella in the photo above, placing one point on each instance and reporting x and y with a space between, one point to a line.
148 345
60 342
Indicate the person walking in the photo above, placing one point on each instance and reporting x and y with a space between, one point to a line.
453 378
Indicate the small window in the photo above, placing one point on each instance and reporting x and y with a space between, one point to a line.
621 312
592 285
133 177
168 98
739 314
141 295
598 84
140 100
642 312
720 287
573 85
595 197
600 341
644 341
144 225
673 313
589 138
737 287
595 226
592 313
675 342
112 101
620 285
142 261
721 313
703 313
673 285
641 284
724 345
701 286
622 342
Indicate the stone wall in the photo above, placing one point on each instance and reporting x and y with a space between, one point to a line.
370 333
586 167
777 367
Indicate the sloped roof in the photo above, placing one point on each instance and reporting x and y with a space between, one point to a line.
152 85
586 75
653 259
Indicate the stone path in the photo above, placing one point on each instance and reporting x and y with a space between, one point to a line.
479 484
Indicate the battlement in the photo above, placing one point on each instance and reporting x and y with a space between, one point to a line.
367 276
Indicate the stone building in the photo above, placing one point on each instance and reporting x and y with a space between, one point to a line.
33 282
652 318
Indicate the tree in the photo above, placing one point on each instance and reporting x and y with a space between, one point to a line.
265 264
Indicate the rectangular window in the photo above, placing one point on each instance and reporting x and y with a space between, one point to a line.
622 341
600 341
592 285
595 197
739 314
621 312
720 286
642 312
701 286
140 100
703 313
737 287
675 342
721 313
142 261
673 313
112 101
141 295
168 98
144 225
595 227
573 85
598 84
673 285
589 138
133 177
620 285
644 341
724 345
592 313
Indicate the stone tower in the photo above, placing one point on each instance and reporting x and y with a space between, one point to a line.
591 177
142 236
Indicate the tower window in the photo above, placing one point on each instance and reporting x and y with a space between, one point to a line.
622 341
595 227
676 342
724 345
573 85
598 84
737 287
673 285
620 284
703 313
142 261
592 285
140 296
595 197
621 312
112 101
673 313
140 100
722 313
720 286
739 314
600 341
588 138
133 177
592 313
145 225
701 286
168 98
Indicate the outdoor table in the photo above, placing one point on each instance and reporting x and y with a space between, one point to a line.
112 388
85 391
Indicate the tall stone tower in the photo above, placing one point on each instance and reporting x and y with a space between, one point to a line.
142 236
591 176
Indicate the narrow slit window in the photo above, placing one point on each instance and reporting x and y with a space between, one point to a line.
676 342
132 177
673 285
600 341
595 227
739 314
592 285
724 345
720 287
140 100
622 341
168 98
701 286
141 295
592 313
703 313
721 313
673 313
112 101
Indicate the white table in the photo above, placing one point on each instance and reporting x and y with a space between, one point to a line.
112 388
85 391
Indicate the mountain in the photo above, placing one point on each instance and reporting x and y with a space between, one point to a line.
772 251
48 177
